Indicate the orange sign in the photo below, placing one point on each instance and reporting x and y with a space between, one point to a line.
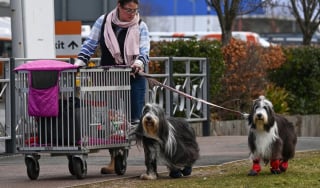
68 38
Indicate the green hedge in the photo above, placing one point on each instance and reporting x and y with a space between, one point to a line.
300 76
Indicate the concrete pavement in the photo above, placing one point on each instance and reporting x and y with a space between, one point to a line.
54 170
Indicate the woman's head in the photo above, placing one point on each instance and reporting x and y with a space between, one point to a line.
124 2
128 9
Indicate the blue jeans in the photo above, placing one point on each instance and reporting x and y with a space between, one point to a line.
138 89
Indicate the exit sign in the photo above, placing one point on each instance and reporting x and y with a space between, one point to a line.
68 38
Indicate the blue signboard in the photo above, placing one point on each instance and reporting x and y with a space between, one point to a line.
178 8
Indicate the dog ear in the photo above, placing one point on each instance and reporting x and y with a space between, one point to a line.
271 116
250 119
138 133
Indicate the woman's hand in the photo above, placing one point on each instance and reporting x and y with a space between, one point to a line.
79 63
137 66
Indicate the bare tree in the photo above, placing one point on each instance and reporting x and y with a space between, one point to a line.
306 13
228 10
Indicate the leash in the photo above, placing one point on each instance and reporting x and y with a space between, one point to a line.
153 81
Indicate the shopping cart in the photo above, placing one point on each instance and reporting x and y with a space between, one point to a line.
91 111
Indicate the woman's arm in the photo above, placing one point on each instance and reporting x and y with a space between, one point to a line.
144 43
92 41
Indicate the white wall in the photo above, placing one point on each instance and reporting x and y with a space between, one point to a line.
39 29
182 23
5 27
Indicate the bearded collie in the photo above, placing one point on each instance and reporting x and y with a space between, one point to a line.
271 138
167 138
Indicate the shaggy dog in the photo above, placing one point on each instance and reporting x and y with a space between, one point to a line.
168 138
271 138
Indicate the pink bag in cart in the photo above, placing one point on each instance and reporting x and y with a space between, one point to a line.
43 78
43 97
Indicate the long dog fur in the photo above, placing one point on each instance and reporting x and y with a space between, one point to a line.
168 138
271 138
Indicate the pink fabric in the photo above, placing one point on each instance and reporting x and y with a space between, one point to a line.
46 65
103 141
43 102
131 44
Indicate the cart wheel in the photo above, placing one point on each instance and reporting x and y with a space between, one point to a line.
79 167
121 163
70 165
33 168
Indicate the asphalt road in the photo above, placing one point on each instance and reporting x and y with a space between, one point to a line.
54 171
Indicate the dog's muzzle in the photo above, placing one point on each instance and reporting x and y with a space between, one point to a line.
150 125
148 119
259 116
259 120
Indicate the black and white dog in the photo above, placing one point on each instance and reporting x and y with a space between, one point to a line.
271 138
168 138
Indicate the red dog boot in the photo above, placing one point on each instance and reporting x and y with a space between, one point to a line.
256 168
275 167
283 166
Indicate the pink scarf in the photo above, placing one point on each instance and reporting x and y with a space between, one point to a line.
131 44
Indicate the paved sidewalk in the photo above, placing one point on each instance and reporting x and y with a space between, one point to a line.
54 170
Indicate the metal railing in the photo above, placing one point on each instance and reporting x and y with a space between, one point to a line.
5 101
185 74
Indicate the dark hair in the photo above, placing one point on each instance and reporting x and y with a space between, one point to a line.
124 2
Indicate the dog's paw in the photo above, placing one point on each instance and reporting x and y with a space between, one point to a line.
283 166
175 174
186 171
275 171
148 176
253 173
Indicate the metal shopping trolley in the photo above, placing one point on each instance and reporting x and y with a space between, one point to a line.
65 111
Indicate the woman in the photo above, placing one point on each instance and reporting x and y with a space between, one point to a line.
124 40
